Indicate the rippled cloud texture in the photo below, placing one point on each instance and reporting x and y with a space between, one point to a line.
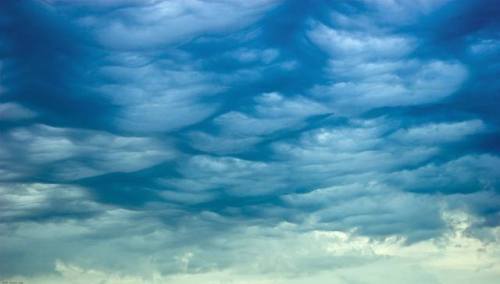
265 141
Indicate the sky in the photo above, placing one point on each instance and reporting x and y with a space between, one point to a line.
263 141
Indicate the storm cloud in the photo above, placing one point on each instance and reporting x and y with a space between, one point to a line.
235 141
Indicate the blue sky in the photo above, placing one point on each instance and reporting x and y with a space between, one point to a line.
264 141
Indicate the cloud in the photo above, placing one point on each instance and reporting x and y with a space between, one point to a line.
156 95
421 83
253 254
255 55
356 148
373 210
22 202
240 124
402 12
231 175
129 25
249 141
13 111
341 43
369 69
70 154
439 132
272 112
484 46
277 105
466 174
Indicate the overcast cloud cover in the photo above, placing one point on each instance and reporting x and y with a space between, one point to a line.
263 141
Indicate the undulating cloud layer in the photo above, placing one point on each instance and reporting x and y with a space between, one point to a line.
266 141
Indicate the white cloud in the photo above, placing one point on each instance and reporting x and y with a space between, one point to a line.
13 111
24 201
397 84
436 133
403 12
232 175
272 112
61 150
163 114
156 95
371 209
469 173
340 43
357 148
383 15
484 46
369 71
275 105
152 24
265 56
240 124
377 150
185 197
